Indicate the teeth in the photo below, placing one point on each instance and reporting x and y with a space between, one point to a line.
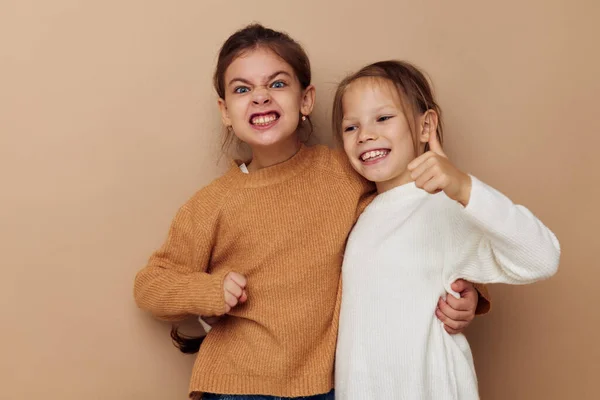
369 155
264 119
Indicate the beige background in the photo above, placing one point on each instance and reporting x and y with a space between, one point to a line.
108 123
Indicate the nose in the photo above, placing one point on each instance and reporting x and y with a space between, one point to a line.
366 135
261 96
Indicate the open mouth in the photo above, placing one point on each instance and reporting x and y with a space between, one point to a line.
262 120
374 155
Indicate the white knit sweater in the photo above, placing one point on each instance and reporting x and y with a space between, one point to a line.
403 254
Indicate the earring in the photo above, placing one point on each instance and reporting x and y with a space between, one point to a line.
304 118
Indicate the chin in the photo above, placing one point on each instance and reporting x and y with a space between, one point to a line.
377 177
268 140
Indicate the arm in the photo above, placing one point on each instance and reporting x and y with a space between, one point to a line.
175 284
512 245
433 172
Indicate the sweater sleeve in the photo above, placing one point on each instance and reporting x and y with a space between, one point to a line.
175 282
365 189
508 244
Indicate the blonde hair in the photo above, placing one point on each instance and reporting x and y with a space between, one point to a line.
413 88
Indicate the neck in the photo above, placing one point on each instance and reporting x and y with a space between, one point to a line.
399 180
263 157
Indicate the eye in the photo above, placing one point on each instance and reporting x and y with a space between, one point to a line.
349 128
241 89
384 118
278 85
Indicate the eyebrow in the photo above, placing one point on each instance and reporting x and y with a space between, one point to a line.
383 107
242 80
375 111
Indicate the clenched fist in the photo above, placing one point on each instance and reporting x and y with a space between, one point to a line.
234 288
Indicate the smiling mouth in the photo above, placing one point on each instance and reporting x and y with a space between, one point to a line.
374 155
264 119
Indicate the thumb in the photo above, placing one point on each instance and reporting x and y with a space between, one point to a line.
435 145
461 285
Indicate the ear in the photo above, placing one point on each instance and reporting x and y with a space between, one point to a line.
224 113
428 123
308 100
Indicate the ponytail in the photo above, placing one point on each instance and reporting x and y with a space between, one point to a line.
186 344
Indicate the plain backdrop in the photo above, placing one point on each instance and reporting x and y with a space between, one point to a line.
108 123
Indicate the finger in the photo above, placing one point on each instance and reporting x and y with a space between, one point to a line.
233 288
419 160
428 174
467 302
436 183
422 168
450 323
230 300
460 285
243 297
424 177
424 182
452 312
452 331
457 325
435 145
238 278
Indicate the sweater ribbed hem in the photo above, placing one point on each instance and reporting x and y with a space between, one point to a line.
291 386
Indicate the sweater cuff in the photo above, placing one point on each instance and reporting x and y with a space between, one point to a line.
486 205
206 296
477 201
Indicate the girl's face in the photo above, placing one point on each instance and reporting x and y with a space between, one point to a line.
376 133
263 99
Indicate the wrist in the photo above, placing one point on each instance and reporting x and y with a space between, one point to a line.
465 190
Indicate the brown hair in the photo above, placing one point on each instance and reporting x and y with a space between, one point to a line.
412 85
256 36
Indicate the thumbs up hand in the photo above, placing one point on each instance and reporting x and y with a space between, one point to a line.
433 172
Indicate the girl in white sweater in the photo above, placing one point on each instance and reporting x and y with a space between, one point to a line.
429 225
